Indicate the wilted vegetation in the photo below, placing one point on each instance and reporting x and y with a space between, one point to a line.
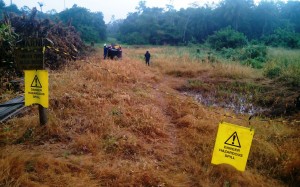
123 124
62 43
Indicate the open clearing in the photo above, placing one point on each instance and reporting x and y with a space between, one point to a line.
121 123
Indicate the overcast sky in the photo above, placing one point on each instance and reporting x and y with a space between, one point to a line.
119 8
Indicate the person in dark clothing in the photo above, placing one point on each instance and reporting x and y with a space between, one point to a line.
105 51
147 58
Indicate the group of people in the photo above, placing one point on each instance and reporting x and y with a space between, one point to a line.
115 50
112 51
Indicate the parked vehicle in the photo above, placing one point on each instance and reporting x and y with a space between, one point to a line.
114 51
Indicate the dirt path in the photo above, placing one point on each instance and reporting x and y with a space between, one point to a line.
170 126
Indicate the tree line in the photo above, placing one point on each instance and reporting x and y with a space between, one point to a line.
266 21
275 23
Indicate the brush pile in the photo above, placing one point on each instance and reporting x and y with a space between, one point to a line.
63 42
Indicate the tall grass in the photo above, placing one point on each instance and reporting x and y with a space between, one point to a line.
187 62
284 64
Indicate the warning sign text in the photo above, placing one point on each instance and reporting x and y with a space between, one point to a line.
232 145
36 87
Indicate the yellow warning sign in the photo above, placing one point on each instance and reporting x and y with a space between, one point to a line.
232 145
36 87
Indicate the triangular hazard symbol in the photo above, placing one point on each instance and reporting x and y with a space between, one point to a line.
233 140
36 82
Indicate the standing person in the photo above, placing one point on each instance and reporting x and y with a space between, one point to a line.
147 58
105 51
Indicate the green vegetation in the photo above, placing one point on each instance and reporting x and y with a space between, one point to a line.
254 56
2 5
7 43
251 55
227 38
274 23
276 63
90 25
283 38
283 64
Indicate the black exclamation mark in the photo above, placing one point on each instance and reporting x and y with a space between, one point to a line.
233 140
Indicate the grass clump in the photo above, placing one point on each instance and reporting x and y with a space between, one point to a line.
284 65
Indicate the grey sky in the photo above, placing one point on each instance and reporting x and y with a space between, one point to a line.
119 8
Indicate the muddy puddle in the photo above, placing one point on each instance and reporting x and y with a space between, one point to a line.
235 102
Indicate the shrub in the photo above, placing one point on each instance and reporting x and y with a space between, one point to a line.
227 38
254 56
257 52
253 63
230 53
272 71
7 43
283 38
251 55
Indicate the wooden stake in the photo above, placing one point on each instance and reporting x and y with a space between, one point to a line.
43 115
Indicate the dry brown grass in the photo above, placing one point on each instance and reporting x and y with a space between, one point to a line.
121 123
235 71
